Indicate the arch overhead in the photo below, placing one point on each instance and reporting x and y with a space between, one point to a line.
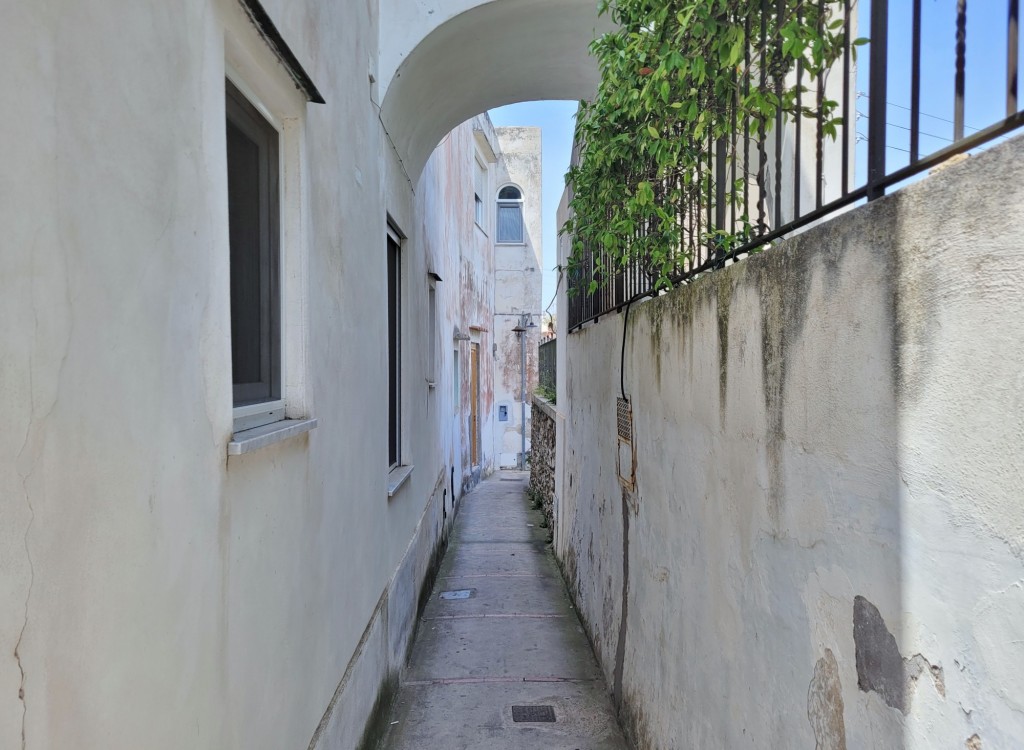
497 52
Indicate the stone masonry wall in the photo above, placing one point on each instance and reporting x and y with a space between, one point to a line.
542 456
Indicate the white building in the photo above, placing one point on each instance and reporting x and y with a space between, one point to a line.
218 500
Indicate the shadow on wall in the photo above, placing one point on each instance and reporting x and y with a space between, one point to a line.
818 525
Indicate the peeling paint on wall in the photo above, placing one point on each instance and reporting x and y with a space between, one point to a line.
880 666
879 663
825 704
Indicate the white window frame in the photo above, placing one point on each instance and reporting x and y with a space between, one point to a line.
250 120
399 473
394 236
456 382
432 332
520 202
254 70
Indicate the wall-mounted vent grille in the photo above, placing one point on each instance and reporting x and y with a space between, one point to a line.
625 420
626 458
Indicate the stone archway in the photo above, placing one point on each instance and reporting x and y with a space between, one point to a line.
480 56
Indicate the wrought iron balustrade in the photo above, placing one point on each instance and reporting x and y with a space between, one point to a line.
795 174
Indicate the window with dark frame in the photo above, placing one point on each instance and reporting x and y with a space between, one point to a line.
431 332
394 351
510 216
479 193
254 231
456 398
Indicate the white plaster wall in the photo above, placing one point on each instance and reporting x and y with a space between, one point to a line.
517 289
462 253
153 592
561 509
835 418
469 57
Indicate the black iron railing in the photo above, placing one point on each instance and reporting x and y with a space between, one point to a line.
546 364
915 72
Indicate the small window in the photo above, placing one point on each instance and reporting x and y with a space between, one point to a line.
455 379
481 191
394 351
432 333
510 215
254 236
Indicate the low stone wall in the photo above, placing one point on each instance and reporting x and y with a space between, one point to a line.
542 456
825 544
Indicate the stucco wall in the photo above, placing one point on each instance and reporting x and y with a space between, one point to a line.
825 548
153 592
462 254
517 289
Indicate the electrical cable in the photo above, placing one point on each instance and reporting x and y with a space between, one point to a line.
554 296
622 356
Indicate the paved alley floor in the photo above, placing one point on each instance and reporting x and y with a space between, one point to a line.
499 632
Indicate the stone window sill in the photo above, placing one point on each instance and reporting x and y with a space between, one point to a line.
397 477
247 441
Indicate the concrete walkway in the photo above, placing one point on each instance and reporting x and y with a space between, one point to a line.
508 636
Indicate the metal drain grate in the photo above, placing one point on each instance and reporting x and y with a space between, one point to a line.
511 479
533 713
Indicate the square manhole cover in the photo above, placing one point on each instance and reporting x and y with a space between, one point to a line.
533 713
459 594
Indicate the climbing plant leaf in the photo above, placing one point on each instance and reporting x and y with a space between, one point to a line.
677 78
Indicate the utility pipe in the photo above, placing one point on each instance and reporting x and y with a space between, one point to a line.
521 329
522 400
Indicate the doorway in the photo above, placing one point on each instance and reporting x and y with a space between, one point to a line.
474 405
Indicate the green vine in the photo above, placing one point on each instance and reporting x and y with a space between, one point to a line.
677 77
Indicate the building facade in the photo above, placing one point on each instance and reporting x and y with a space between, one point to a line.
250 361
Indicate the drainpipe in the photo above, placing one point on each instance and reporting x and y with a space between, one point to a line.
521 329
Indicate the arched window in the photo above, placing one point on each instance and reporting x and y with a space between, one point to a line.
510 215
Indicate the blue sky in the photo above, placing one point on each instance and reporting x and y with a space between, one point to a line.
984 100
985 89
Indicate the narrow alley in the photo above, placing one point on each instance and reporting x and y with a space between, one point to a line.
500 659
290 289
